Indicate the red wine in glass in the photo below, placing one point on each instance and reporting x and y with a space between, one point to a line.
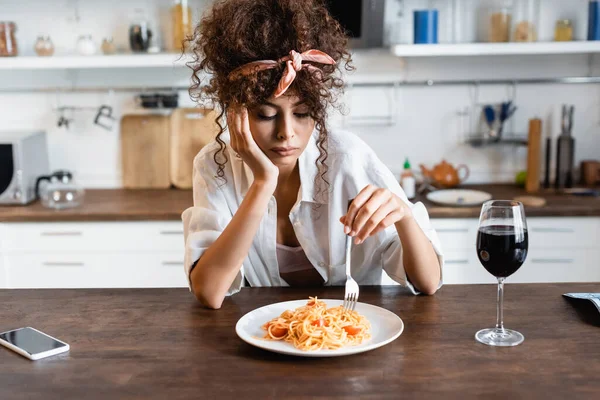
501 249
502 242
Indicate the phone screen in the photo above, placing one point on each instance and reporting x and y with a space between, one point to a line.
30 340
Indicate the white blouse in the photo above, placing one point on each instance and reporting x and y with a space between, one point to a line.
315 216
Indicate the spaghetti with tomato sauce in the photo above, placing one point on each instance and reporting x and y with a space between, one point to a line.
315 327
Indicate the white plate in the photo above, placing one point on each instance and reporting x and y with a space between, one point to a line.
459 197
385 327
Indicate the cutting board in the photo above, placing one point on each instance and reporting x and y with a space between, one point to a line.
191 130
145 151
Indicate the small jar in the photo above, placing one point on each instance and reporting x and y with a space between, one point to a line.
8 41
108 47
44 46
563 31
500 23
86 46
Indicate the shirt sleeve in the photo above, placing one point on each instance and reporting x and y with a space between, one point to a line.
206 220
381 176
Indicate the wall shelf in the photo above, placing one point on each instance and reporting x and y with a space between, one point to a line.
495 49
160 60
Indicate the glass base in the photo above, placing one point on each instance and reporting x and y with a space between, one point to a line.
499 337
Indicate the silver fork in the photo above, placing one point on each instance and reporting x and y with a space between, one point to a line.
351 295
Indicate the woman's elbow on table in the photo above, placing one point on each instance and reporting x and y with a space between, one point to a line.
213 302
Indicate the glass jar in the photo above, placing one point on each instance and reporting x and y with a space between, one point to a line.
43 46
563 31
525 16
8 41
500 20
86 45
108 47
181 16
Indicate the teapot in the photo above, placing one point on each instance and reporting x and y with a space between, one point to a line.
444 175
60 192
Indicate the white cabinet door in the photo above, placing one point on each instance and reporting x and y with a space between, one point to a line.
563 232
74 237
95 270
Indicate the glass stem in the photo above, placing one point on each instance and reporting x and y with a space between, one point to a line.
499 305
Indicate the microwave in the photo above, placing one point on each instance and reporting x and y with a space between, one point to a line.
23 158
363 20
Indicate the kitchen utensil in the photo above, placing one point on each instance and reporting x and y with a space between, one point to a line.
506 111
534 142
490 118
547 168
104 117
458 197
145 151
590 172
565 150
60 192
444 175
352 290
191 129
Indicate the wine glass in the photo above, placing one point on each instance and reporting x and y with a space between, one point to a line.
502 248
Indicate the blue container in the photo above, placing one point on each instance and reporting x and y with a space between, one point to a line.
594 20
425 26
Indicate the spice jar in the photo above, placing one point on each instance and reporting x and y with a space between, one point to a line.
8 41
500 20
181 15
563 31
108 46
44 46
86 46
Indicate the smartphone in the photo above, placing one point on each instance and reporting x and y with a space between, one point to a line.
31 343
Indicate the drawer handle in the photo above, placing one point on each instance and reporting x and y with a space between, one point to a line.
553 230
452 230
173 263
63 264
74 233
171 232
553 260
456 262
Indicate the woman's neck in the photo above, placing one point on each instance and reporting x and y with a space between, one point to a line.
288 182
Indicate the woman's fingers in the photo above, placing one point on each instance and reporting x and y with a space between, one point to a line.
366 211
357 203
374 220
391 218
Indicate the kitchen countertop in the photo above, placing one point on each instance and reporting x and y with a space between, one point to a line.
144 205
161 344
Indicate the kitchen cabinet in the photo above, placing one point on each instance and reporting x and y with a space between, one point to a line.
561 249
92 254
150 253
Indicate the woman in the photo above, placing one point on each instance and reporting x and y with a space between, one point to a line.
271 194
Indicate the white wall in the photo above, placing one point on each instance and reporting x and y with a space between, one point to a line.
427 124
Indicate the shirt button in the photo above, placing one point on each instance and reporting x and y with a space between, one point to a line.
322 265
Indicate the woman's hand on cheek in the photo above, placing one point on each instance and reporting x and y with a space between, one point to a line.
245 146
371 211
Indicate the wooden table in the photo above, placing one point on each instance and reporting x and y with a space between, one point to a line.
161 344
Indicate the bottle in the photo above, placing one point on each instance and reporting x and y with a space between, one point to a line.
181 15
594 20
565 151
407 181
